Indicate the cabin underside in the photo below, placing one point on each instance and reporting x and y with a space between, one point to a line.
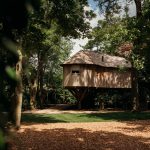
85 96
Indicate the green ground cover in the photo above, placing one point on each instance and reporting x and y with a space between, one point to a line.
84 117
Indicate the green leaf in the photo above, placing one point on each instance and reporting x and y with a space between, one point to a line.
11 73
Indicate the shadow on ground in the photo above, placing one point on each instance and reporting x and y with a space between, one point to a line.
120 116
84 117
40 118
77 139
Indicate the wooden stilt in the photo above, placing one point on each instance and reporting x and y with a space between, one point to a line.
79 94
83 93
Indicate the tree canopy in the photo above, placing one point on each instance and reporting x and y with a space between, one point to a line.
34 40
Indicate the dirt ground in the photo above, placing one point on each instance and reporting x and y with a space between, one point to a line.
126 135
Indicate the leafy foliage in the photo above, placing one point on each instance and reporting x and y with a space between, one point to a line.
41 28
125 36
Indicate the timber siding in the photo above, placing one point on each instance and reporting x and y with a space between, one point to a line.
91 69
99 77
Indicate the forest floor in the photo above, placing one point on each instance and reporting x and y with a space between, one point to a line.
109 135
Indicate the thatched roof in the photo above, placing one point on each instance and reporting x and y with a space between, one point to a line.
96 58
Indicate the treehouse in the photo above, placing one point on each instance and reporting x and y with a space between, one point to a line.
90 70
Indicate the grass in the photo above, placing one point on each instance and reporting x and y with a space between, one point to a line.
97 117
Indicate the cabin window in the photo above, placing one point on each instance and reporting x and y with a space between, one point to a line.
75 72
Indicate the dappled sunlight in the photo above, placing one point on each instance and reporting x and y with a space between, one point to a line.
95 136
85 116
96 70
91 57
42 118
138 126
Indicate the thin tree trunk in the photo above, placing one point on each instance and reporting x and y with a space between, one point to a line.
40 79
135 91
33 91
38 83
101 104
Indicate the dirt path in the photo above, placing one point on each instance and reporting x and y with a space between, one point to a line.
62 108
57 111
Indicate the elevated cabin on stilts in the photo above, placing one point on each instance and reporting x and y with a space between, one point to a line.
87 71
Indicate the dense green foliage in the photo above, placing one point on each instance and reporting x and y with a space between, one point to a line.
34 41
45 35
43 28
40 31
126 36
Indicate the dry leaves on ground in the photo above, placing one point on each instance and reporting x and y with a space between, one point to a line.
131 135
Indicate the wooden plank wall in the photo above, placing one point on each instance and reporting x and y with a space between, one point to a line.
95 76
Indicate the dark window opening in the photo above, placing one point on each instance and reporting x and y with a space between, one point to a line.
76 72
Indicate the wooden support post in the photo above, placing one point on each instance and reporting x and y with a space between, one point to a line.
79 94
82 96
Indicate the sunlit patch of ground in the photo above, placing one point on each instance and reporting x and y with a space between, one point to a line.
53 129
128 135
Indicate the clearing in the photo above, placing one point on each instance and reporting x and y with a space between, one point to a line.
55 129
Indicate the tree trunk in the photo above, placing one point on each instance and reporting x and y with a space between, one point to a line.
18 92
138 4
101 104
40 79
135 90
33 91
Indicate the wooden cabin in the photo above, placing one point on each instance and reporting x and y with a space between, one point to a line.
90 69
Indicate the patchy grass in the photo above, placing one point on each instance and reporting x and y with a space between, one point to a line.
84 117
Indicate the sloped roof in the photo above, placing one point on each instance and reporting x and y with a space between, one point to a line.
96 58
